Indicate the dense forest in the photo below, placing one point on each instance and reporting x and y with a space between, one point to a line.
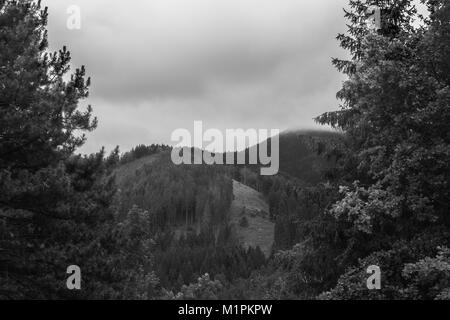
375 191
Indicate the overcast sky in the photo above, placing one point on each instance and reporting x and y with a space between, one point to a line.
158 65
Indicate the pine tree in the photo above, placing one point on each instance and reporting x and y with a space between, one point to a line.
55 207
395 17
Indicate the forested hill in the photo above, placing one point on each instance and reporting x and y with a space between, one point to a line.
192 197
195 197
300 154
188 200
189 210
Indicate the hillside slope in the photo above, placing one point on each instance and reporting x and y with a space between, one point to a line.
297 154
257 231
250 207
129 169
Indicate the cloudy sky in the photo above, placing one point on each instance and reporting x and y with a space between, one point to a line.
158 65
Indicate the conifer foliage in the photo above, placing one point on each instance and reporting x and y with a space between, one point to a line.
54 206
395 116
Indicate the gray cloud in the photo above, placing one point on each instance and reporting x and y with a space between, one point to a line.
158 65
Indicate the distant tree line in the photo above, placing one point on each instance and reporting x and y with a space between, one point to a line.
141 151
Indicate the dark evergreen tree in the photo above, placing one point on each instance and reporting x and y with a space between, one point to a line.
395 117
54 207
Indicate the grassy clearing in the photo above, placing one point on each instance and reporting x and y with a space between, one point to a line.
250 205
